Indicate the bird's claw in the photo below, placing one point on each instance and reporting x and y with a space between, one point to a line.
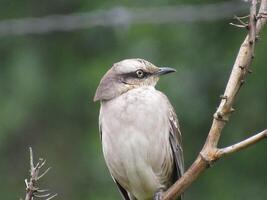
158 195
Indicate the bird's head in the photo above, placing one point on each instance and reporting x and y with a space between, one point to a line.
126 75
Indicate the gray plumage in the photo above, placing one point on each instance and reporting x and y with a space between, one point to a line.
139 129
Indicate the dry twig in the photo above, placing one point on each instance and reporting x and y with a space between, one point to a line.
210 152
241 24
32 190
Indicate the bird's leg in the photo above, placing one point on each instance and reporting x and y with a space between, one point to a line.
158 194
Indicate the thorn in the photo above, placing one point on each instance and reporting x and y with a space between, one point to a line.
223 96
232 110
237 25
240 21
40 191
219 116
45 172
243 17
37 166
51 197
42 195
242 82
241 67
42 163
26 182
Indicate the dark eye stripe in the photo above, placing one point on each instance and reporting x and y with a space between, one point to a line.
134 75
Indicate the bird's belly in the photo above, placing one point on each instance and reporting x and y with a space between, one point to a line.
133 161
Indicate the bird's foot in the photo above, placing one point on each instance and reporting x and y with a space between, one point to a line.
158 195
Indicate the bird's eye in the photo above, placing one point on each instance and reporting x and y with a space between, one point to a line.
140 73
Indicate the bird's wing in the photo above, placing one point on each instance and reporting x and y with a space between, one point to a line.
176 144
175 138
123 192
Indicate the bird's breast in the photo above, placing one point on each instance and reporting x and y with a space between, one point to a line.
139 116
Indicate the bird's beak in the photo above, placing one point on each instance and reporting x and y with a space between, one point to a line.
165 70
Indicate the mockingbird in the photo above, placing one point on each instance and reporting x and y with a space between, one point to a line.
139 130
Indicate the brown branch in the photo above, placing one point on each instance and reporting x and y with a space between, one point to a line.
32 190
209 153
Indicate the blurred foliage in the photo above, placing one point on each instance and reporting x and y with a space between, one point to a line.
47 83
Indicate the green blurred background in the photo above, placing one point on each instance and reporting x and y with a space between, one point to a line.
48 80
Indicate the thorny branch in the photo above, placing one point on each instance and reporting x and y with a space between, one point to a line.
210 152
32 190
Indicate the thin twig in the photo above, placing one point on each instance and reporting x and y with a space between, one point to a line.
240 20
238 25
243 144
49 198
243 17
45 172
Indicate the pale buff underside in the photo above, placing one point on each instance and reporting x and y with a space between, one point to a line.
135 137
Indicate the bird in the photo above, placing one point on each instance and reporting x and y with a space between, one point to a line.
139 130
